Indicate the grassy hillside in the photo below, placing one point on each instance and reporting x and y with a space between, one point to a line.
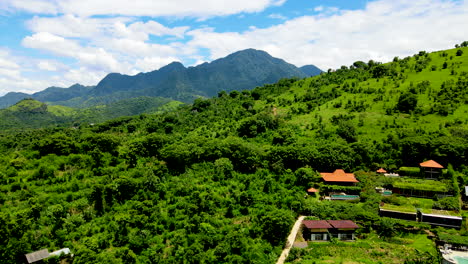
221 180
30 113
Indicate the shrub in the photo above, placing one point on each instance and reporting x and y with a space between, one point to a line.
447 203
409 171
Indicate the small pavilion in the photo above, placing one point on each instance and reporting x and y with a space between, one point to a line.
431 169
381 171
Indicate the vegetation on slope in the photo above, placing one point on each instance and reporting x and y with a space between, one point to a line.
222 180
30 113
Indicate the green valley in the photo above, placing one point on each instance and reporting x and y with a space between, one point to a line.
223 179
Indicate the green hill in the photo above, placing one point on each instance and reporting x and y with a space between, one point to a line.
30 113
222 180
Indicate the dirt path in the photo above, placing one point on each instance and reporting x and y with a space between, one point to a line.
291 238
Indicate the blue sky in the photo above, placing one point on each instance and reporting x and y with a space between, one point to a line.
61 42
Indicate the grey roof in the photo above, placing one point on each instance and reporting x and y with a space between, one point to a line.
443 216
38 255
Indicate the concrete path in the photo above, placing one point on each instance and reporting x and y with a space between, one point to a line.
291 238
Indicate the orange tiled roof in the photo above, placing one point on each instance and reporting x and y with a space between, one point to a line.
431 164
312 190
381 170
338 175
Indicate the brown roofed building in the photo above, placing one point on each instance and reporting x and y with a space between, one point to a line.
320 230
343 224
339 177
343 229
316 230
316 224
431 169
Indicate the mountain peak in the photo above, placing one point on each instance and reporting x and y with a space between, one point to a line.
249 52
175 65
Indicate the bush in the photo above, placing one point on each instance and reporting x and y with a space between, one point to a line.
407 102
447 203
409 171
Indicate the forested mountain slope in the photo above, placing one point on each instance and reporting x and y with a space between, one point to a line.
222 180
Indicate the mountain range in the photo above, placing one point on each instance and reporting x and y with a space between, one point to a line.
241 70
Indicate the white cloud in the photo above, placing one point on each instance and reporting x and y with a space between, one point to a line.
153 63
9 70
52 43
9 73
178 8
155 28
318 8
51 65
277 16
383 30
7 64
34 6
97 58
73 26
81 75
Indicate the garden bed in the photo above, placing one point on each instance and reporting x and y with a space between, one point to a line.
367 250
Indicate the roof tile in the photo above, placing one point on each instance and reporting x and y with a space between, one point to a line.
431 164
343 224
338 175
316 224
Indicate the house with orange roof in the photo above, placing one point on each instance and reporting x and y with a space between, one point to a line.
339 177
431 169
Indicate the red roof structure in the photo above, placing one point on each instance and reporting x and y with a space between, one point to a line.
381 170
343 224
338 175
312 190
431 164
316 224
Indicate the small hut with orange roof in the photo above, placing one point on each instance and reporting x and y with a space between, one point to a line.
381 171
431 169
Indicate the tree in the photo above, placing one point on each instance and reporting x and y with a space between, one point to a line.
387 227
306 176
407 102
276 224
459 52
360 65
347 131
379 71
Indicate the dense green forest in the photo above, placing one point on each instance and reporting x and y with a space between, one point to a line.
223 179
